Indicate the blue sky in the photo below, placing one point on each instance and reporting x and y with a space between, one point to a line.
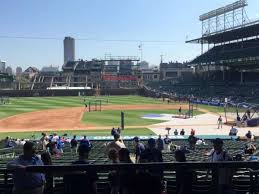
171 20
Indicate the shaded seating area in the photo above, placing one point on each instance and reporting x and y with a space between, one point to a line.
203 184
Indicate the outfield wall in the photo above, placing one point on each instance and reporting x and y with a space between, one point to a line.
31 93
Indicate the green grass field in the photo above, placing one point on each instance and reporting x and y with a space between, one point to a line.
132 117
29 104
104 118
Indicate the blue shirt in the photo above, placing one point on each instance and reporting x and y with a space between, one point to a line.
86 141
60 144
26 180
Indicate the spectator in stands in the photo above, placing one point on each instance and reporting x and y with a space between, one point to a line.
220 122
20 142
43 141
167 141
113 131
81 182
125 176
60 145
85 141
175 132
27 183
139 148
50 137
160 143
250 149
113 176
73 145
249 135
152 154
182 132
192 132
199 142
113 156
192 141
124 156
183 175
55 137
7 142
224 175
46 159
52 149
116 144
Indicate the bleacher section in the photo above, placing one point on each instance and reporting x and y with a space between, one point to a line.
241 179
234 51
204 87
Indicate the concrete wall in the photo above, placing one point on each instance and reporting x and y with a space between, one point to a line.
30 93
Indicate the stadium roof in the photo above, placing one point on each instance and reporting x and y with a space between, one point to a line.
244 31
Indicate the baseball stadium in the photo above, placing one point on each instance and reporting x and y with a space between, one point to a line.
107 126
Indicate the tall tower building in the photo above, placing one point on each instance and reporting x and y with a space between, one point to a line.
9 70
69 49
18 71
2 66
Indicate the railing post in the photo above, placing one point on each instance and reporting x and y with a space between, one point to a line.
216 180
253 181
5 180
255 177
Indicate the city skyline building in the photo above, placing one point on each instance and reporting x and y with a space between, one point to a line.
2 66
69 49
18 71
9 70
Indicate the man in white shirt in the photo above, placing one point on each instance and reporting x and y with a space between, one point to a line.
233 131
55 137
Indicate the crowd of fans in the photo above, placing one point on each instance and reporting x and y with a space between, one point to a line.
122 181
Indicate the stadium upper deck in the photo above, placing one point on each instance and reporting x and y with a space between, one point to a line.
234 38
